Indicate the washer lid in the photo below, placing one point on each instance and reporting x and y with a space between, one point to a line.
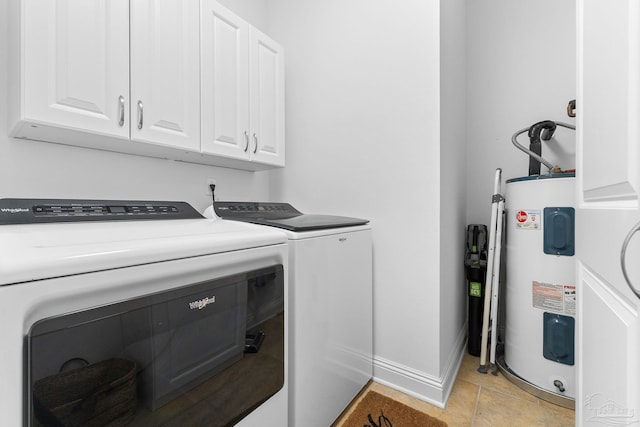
282 215
40 251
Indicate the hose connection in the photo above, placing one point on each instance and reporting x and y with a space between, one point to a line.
558 384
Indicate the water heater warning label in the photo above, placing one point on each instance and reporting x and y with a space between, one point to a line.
556 298
528 219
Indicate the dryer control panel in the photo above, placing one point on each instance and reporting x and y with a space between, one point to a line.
32 211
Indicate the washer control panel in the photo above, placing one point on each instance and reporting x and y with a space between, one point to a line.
235 210
31 211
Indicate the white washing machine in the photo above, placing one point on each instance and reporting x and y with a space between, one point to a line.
167 302
330 291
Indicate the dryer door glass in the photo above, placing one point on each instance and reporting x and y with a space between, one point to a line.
201 355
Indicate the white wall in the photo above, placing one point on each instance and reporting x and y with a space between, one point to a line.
363 139
381 124
453 206
521 62
45 170
254 12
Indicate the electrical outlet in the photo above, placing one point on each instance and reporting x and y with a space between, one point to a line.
209 182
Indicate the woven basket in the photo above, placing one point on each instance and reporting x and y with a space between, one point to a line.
101 394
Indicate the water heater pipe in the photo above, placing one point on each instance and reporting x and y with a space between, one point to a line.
514 140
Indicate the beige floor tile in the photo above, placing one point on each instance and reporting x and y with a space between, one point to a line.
569 415
469 372
462 403
496 409
484 400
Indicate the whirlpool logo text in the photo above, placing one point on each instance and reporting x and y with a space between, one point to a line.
14 210
202 303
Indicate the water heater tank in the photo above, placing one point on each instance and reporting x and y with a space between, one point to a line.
540 296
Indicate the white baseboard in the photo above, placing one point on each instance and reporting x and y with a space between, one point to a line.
432 389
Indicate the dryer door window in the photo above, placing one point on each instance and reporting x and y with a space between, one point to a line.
193 356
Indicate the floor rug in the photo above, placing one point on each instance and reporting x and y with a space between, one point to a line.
376 410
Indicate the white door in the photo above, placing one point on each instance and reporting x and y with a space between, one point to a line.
76 64
225 82
266 65
608 193
165 72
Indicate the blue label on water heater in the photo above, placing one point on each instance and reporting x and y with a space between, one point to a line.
558 338
559 231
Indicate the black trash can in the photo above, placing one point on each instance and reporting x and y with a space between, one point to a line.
475 264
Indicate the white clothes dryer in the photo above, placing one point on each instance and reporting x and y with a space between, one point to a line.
154 286
330 291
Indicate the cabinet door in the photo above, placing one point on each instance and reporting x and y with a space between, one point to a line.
608 99
75 57
225 82
266 65
165 72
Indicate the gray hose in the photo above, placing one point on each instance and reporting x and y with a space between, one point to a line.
514 140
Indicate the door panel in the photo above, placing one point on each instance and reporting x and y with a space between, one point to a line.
165 76
607 169
266 99
76 64
608 111
615 326
225 82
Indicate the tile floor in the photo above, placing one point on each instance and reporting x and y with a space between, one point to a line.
484 400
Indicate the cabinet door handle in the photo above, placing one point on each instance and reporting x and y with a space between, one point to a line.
246 138
140 114
121 110
623 261
255 138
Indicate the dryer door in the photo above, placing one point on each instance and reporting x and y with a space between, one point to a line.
174 357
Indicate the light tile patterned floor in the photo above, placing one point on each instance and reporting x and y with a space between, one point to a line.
485 400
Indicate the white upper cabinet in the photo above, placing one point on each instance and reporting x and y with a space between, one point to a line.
179 79
242 89
266 98
75 67
165 72
110 68
225 82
